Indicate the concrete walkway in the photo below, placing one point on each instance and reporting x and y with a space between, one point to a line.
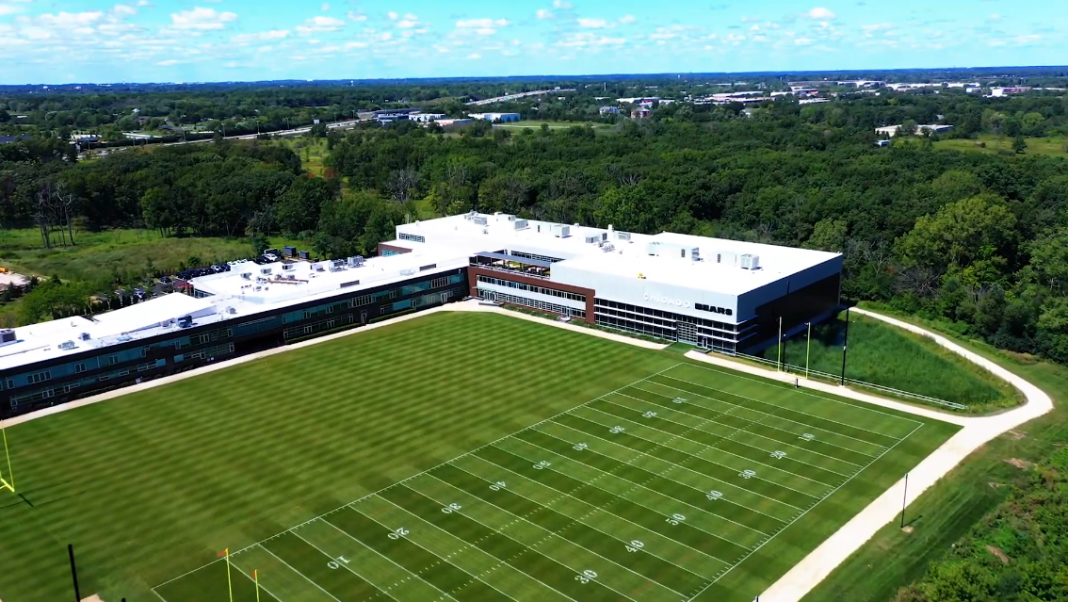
976 432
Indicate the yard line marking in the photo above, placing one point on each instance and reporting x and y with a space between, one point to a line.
801 391
439 465
306 578
709 447
673 466
388 559
722 438
158 595
776 415
634 488
782 407
800 516
349 569
261 586
549 535
596 509
433 527
714 421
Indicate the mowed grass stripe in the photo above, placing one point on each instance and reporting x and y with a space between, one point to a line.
737 415
718 471
797 472
859 415
842 460
582 508
342 584
506 549
804 417
413 557
681 474
714 549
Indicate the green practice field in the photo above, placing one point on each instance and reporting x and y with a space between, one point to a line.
456 456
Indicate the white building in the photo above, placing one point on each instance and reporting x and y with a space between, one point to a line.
894 130
427 117
718 294
497 117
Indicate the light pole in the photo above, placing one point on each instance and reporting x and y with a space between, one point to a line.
808 348
780 344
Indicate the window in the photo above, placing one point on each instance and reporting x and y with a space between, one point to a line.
113 359
79 368
411 237
39 377
541 290
363 300
439 282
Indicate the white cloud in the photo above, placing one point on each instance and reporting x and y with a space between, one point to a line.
201 19
319 24
392 16
481 23
408 22
802 41
124 10
474 56
325 7
168 63
821 13
994 17
627 19
562 5
144 3
263 36
544 14
8 9
592 23
356 16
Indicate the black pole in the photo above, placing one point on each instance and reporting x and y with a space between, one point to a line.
904 498
74 573
845 345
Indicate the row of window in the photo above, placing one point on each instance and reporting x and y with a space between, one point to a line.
295 332
659 313
562 310
206 353
411 237
535 256
541 290
91 380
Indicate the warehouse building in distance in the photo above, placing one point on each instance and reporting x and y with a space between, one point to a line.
715 294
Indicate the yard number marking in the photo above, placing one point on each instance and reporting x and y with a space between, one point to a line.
542 465
747 474
451 508
650 414
399 533
714 495
678 400
634 546
808 437
585 576
333 564
499 485
615 430
581 447
778 455
675 519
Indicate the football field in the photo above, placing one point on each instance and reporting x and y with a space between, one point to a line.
665 481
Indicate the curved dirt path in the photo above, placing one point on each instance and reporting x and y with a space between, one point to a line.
976 431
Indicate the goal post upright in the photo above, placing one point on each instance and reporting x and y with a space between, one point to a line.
7 480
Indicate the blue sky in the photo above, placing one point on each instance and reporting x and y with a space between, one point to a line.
60 41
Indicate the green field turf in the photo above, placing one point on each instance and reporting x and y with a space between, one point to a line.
490 459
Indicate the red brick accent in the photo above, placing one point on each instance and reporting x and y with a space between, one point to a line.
474 272
384 247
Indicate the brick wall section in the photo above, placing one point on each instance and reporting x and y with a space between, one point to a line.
474 272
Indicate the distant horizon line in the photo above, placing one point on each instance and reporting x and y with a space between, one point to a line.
544 77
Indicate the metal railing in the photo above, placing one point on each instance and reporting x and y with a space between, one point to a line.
836 378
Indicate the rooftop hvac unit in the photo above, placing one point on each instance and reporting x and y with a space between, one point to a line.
288 267
507 216
481 220
7 335
652 249
592 239
84 336
695 254
622 235
521 224
561 230
67 345
607 247
750 262
407 271
231 310
246 275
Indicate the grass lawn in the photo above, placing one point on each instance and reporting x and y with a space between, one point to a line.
128 252
490 459
888 356
1053 146
947 511
312 152
600 128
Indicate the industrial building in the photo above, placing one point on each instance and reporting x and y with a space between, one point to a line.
497 117
715 294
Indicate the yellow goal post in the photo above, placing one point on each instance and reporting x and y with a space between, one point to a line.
7 479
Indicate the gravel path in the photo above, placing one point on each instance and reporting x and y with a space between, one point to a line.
976 432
